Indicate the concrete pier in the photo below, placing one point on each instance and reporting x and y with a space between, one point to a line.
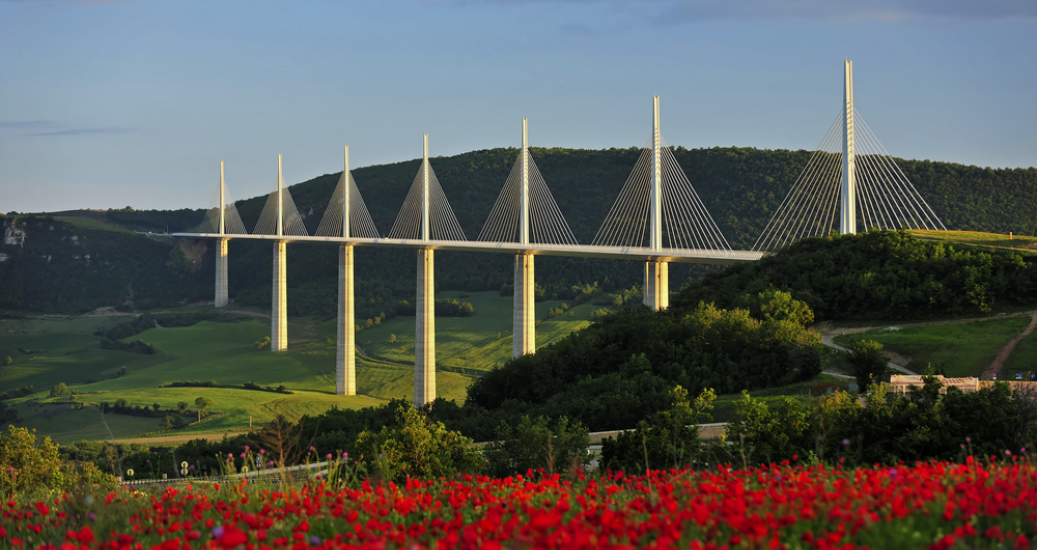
345 361
657 285
425 331
279 306
221 299
524 316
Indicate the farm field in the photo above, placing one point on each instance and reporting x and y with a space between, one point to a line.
66 350
961 348
978 238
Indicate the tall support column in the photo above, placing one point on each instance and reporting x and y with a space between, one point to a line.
425 331
848 192
524 320
657 284
279 305
425 316
345 361
221 299
524 315
657 281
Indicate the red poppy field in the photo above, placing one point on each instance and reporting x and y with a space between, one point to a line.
926 505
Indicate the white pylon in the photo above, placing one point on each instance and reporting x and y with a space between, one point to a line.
424 191
523 316
657 281
655 214
848 191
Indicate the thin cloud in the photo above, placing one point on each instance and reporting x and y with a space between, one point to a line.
684 11
85 131
21 124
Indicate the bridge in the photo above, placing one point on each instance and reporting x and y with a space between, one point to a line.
658 218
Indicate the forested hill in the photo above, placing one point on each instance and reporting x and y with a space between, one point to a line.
741 187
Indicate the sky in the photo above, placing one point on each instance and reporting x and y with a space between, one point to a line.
106 104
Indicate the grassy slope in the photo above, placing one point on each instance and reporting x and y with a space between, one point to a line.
224 353
963 348
464 343
978 238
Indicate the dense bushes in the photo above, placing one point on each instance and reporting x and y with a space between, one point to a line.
886 428
887 274
28 464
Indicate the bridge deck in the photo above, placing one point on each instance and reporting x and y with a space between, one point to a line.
580 251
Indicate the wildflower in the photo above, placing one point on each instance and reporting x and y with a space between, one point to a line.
217 532
329 456
91 516
846 443
315 541
246 447
262 451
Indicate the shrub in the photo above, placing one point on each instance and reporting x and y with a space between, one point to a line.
417 448
25 463
535 444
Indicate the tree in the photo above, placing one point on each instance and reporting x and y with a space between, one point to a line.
181 406
59 390
535 443
418 448
8 360
202 403
670 439
867 362
156 406
392 339
26 463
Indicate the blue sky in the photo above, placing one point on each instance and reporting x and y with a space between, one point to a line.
108 104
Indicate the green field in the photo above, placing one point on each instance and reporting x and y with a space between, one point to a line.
976 238
66 350
962 348
465 344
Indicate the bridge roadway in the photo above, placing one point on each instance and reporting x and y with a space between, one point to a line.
699 256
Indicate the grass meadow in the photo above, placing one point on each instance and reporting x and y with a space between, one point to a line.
963 348
66 350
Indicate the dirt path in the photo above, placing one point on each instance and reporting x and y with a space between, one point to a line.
1006 351
827 340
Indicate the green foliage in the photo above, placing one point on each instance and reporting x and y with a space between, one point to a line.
8 360
887 274
203 403
415 447
617 372
778 306
262 344
867 362
886 428
25 463
136 346
60 390
669 439
538 444
69 269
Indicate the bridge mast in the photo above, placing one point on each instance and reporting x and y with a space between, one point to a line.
523 317
657 282
279 305
345 360
848 192
425 316
221 299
